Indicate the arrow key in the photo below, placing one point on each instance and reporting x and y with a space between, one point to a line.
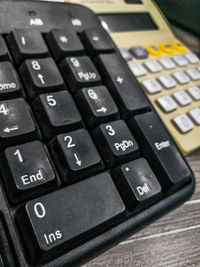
76 155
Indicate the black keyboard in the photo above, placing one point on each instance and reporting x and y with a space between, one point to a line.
85 161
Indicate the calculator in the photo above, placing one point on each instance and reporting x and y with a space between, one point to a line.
167 70
85 159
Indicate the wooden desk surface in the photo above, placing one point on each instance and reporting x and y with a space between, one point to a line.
172 241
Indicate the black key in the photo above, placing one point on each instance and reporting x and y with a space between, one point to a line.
64 43
29 170
26 44
76 155
116 142
16 122
57 113
123 86
161 152
4 55
41 76
97 41
10 86
97 105
139 52
62 219
80 72
137 183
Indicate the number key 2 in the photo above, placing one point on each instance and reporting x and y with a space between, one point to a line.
116 142
76 155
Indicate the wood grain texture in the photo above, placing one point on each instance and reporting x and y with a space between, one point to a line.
172 241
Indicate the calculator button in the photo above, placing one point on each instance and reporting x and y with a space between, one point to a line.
41 76
160 151
29 169
178 47
26 44
167 81
167 103
57 113
76 155
126 54
193 73
153 51
97 41
65 217
80 72
153 65
182 98
194 91
16 122
181 77
122 84
97 105
151 86
4 55
167 63
180 60
192 58
136 183
139 52
137 69
195 115
183 123
115 142
166 48
10 86
64 43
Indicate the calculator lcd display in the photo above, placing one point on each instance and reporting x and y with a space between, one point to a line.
127 22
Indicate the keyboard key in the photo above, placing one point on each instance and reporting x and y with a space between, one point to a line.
41 76
151 86
80 72
161 152
29 169
181 77
183 123
97 41
167 63
182 98
10 86
64 43
193 73
26 44
136 183
125 54
139 52
167 103
194 91
167 81
115 142
137 69
180 60
61 219
76 155
57 113
123 86
16 122
192 58
97 105
195 115
153 65
4 55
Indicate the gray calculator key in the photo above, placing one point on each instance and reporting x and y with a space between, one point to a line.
194 91
181 77
126 54
182 98
180 60
153 65
151 86
167 81
195 115
193 73
192 58
183 123
167 103
137 69
139 52
167 63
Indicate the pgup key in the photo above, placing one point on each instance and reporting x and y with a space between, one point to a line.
76 155
41 76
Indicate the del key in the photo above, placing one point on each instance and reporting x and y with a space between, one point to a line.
60 219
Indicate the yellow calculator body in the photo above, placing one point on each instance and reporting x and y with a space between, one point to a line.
167 70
